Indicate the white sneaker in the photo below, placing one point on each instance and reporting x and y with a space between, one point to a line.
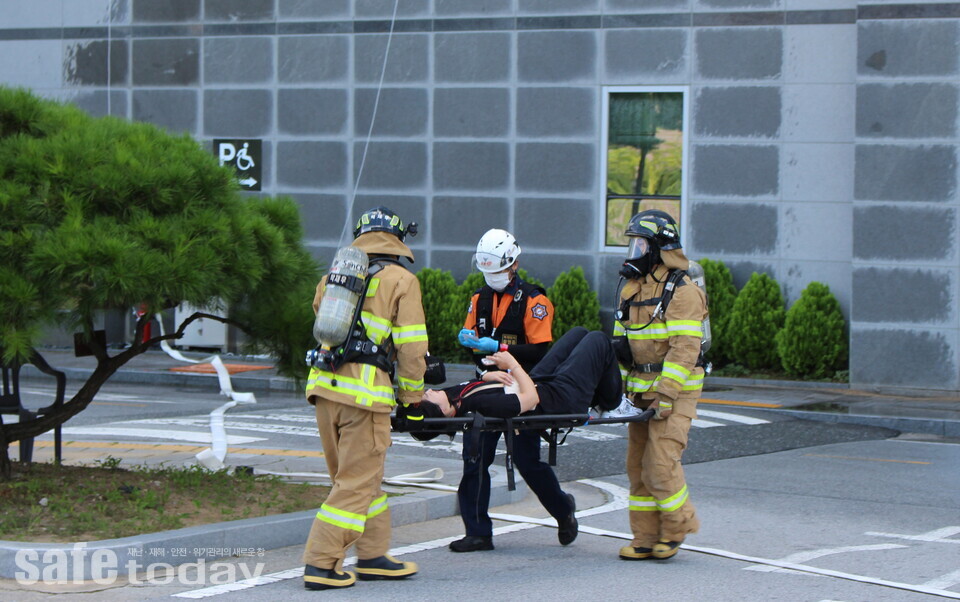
625 409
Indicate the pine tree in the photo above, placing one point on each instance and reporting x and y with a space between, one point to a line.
100 214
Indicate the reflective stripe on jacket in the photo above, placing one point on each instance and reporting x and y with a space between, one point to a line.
672 339
392 309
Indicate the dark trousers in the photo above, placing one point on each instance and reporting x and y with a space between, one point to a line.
580 370
474 491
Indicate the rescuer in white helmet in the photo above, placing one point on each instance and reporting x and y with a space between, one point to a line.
507 314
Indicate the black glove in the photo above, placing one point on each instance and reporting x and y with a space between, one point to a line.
409 419
436 373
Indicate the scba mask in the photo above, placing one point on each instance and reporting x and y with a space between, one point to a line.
498 281
641 258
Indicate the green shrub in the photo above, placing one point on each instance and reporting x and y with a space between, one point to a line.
459 303
439 290
813 342
526 277
470 285
757 317
576 304
721 294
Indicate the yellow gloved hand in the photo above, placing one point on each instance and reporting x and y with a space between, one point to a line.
663 407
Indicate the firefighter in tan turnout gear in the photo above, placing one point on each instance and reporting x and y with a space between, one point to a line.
354 396
661 317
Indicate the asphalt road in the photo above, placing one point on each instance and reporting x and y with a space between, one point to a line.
790 510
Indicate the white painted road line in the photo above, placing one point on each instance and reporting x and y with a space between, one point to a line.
731 417
230 423
617 503
134 433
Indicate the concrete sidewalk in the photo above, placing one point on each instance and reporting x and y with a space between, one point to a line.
937 415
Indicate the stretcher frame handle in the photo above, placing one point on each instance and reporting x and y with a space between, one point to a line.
552 422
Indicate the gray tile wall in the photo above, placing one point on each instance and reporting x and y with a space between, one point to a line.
905 287
822 134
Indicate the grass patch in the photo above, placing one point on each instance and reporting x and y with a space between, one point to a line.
50 503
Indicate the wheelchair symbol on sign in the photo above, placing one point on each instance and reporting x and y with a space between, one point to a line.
229 152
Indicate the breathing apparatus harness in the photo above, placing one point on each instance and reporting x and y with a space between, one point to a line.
357 347
512 322
673 281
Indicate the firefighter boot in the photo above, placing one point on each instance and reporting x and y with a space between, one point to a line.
665 549
317 579
632 553
567 529
384 567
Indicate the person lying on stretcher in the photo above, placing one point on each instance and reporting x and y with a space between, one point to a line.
578 372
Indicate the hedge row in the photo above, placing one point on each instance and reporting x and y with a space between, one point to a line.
753 328
445 304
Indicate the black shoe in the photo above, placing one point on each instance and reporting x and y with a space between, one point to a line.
472 543
314 578
568 528
385 567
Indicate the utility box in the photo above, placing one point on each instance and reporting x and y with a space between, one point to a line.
202 332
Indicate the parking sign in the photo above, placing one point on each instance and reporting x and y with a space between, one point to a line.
244 156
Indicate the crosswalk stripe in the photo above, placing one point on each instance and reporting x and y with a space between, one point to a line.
731 417
101 431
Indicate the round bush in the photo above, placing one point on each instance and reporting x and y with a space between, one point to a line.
757 317
576 304
439 291
721 294
813 341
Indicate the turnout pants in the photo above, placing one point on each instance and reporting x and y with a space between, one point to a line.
659 508
474 491
355 442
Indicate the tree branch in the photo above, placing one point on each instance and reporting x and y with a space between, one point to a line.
192 318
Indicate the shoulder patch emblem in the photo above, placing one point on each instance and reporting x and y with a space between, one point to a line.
539 311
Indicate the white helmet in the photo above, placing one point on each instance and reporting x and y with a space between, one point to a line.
497 250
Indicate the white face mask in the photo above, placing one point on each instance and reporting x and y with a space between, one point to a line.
498 281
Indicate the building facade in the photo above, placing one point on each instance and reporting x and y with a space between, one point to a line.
814 140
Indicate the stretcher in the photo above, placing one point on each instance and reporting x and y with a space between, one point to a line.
552 426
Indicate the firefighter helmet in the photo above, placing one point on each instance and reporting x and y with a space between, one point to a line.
381 219
656 226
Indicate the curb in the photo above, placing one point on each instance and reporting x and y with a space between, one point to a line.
76 561
180 379
933 426
727 381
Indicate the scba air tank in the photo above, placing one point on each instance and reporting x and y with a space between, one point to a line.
345 284
695 271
